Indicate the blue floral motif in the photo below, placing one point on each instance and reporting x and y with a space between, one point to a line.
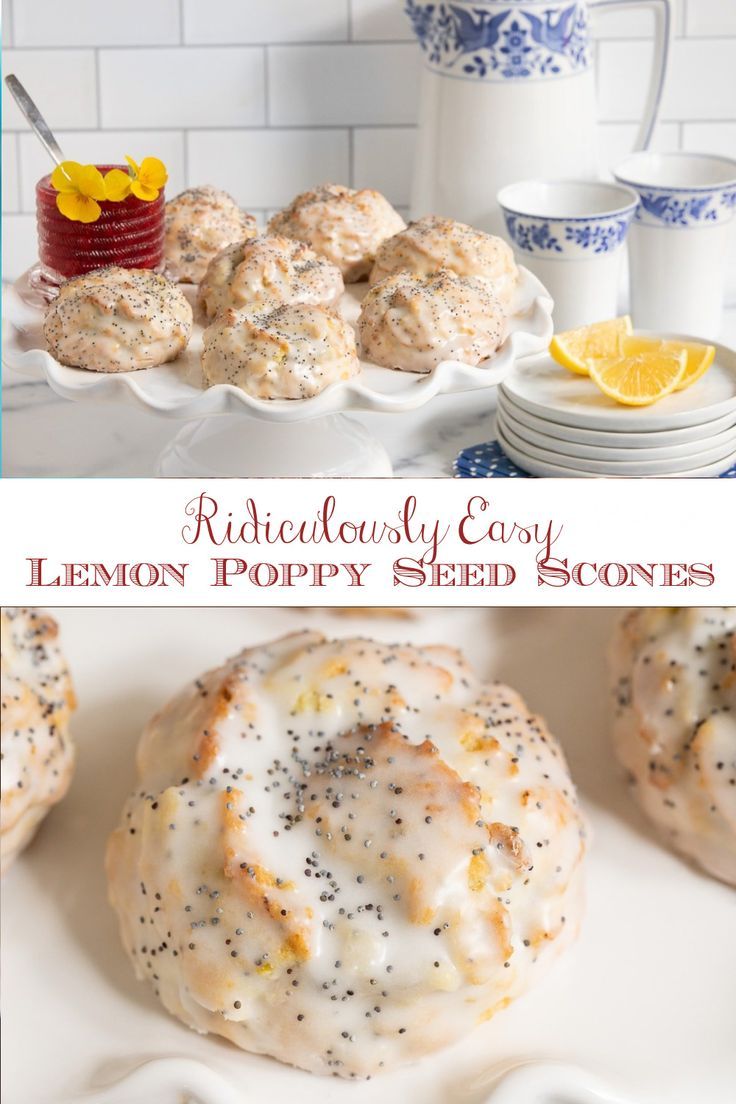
510 44
532 236
598 237
687 210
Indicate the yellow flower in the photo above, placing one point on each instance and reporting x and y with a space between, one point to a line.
117 185
144 181
79 188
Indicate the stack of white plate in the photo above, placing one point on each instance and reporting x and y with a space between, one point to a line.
551 422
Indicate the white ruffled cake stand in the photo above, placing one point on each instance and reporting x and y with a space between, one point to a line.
230 433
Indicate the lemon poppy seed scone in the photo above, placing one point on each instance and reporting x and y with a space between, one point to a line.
268 271
431 243
37 702
198 224
345 854
674 682
292 352
342 224
413 322
117 320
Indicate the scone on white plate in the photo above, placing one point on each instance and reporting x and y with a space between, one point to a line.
37 702
674 685
268 271
345 854
413 322
198 224
342 224
432 242
117 320
292 352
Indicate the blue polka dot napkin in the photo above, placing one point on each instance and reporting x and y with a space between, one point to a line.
489 461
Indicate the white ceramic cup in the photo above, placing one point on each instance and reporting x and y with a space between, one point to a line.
680 239
571 234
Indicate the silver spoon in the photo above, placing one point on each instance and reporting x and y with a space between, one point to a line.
38 124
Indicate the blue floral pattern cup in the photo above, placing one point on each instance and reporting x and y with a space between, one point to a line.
571 233
680 239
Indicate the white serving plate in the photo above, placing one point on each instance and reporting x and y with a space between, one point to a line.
616 438
641 1007
548 465
639 456
548 390
175 390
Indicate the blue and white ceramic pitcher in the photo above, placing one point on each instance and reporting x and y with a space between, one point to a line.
508 93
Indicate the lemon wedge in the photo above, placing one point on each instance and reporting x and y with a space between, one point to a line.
573 349
699 357
639 379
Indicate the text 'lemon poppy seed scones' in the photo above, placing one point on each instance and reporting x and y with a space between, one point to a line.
37 702
198 224
268 271
342 224
432 242
345 854
292 352
674 682
117 320
413 322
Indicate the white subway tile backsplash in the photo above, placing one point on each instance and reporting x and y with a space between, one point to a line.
382 159
235 22
636 23
11 187
7 24
19 245
616 141
623 76
717 138
380 20
62 82
193 87
711 17
267 168
103 148
343 84
90 23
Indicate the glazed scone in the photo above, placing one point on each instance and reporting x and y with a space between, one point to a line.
293 352
345 854
199 223
117 320
412 322
674 684
268 271
432 243
342 224
37 702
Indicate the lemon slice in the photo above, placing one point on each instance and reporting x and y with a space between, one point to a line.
574 348
640 378
699 357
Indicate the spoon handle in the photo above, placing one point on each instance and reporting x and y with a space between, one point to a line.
37 122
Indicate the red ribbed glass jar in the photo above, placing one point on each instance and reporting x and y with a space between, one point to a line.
129 233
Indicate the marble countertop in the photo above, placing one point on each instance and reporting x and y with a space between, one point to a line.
45 435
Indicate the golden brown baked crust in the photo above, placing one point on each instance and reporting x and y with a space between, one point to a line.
198 224
37 702
345 854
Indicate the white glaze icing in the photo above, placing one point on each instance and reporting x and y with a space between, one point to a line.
198 224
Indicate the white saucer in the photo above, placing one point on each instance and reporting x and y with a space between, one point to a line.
616 438
534 465
545 388
559 445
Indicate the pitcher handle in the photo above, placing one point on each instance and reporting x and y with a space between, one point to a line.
662 40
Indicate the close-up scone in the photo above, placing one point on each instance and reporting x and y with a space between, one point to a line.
432 242
293 352
117 320
345 225
267 271
413 322
674 685
37 703
345 854
198 224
